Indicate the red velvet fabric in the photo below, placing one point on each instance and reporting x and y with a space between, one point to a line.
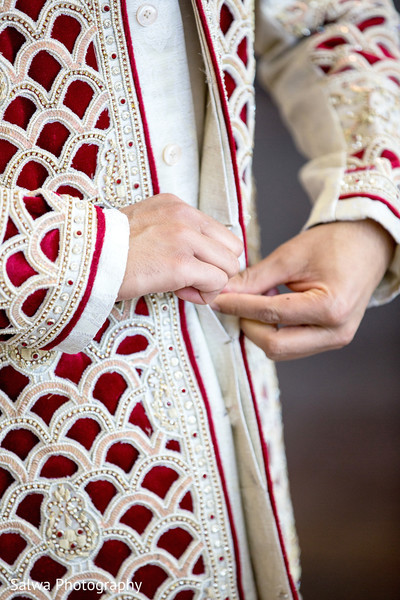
369 57
32 175
332 42
175 541
84 431
184 595
11 41
33 302
20 442
102 331
30 7
12 382
199 568
72 366
85 594
58 466
394 159
173 445
139 418
36 206
6 479
370 23
123 455
101 493
11 546
109 389
11 230
4 322
230 83
44 69
159 480
53 137
141 307
18 269
91 59
187 502
7 151
137 517
47 405
225 19
20 111
78 97
242 51
111 556
103 122
151 576
133 344
385 51
66 30
30 509
48 570
69 190
50 244
85 159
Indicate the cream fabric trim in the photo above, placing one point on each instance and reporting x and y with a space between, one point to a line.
109 276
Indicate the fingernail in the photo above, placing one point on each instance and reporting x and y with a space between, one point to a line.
272 292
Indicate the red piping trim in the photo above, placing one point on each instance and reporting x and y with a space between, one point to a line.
372 197
196 370
150 155
267 470
185 331
225 110
101 229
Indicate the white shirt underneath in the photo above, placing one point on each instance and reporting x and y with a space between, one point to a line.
158 41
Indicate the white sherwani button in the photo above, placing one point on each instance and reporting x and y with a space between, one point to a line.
172 154
146 14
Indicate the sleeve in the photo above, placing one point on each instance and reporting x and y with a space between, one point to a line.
62 256
334 69
62 263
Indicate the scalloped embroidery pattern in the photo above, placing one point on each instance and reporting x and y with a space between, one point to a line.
107 467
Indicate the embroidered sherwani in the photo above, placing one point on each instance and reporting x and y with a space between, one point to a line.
140 441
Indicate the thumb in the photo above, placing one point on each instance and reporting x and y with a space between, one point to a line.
261 278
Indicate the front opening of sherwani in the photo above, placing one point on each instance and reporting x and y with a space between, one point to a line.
141 449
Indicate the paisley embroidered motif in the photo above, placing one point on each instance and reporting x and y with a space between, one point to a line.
71 534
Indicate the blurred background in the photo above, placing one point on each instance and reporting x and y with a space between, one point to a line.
341 413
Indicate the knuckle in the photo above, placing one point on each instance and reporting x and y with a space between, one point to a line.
269 314
183 264
220 280
180 236
336 313
344 337
233 266
237 245
273 349
166 197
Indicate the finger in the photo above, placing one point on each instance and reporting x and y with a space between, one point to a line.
190 294
288 343
204 276
303 308
212 229
278 268
215 253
